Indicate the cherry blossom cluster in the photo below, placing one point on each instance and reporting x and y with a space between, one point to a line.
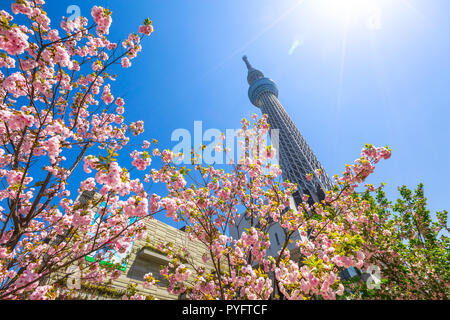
57 112
321 240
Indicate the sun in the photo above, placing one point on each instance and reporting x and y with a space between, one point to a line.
349 11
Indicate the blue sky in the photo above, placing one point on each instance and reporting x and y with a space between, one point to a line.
344 84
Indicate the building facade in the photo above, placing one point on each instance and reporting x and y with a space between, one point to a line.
144 257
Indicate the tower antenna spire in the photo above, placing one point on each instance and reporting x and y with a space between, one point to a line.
249 66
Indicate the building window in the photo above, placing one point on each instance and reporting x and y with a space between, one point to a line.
148 261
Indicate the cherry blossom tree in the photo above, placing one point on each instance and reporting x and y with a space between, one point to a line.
347 230
58 114
330 231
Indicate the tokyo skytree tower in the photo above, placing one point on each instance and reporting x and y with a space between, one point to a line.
296 158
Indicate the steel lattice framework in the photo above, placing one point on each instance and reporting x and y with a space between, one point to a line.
296 158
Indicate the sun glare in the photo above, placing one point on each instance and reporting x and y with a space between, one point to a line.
349 11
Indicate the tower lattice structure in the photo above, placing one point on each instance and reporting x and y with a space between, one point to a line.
296 157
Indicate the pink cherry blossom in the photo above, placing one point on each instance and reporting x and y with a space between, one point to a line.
146 29
125 62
